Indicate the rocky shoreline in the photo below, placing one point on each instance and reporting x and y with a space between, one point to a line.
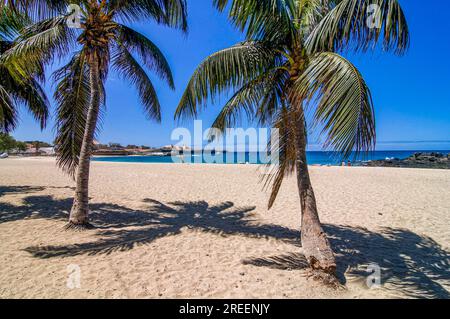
418 160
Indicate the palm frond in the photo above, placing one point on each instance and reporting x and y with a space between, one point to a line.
72 96
309 13
10 24
222 71
39 44
176 14
259 99
274 97
286 148
172 13
17 89
8 113
148 52
127 66
344 103
253 16
347 25
30 93
38 9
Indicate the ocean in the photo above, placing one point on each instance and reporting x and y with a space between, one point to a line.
314 158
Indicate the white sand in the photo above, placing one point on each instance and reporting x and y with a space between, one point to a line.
204 232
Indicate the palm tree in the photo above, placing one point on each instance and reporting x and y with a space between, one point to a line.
288 73
16 89
101 43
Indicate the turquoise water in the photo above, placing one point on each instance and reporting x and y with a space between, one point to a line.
314 158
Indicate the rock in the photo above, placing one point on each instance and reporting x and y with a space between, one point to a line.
418 160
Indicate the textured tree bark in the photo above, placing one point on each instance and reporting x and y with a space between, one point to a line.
316 246
79 218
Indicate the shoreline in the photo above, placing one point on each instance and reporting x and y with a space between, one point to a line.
257 166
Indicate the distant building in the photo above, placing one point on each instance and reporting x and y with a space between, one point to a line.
44 151
48 151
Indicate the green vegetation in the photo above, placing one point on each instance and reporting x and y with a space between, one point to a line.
8 143
16 88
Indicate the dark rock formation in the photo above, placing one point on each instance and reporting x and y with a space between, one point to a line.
418 160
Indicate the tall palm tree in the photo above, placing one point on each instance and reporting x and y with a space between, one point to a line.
16 89
288 68
101 42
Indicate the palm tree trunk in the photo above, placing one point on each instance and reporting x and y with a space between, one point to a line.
80 209
316 246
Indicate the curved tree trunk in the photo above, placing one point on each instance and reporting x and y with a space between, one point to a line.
80 209
316 247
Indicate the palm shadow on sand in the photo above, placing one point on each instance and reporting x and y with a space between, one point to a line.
413 265
7 190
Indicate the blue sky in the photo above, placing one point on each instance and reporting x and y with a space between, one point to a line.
411 93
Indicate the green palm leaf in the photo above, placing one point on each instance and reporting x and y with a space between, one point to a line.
127 66
148 52
10 24
8 113
72 96
259 99
253 16
222 71
286 148
344 103
38 9
39 44
346 26
16 86
172 13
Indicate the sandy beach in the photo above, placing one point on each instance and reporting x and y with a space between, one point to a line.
203 231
